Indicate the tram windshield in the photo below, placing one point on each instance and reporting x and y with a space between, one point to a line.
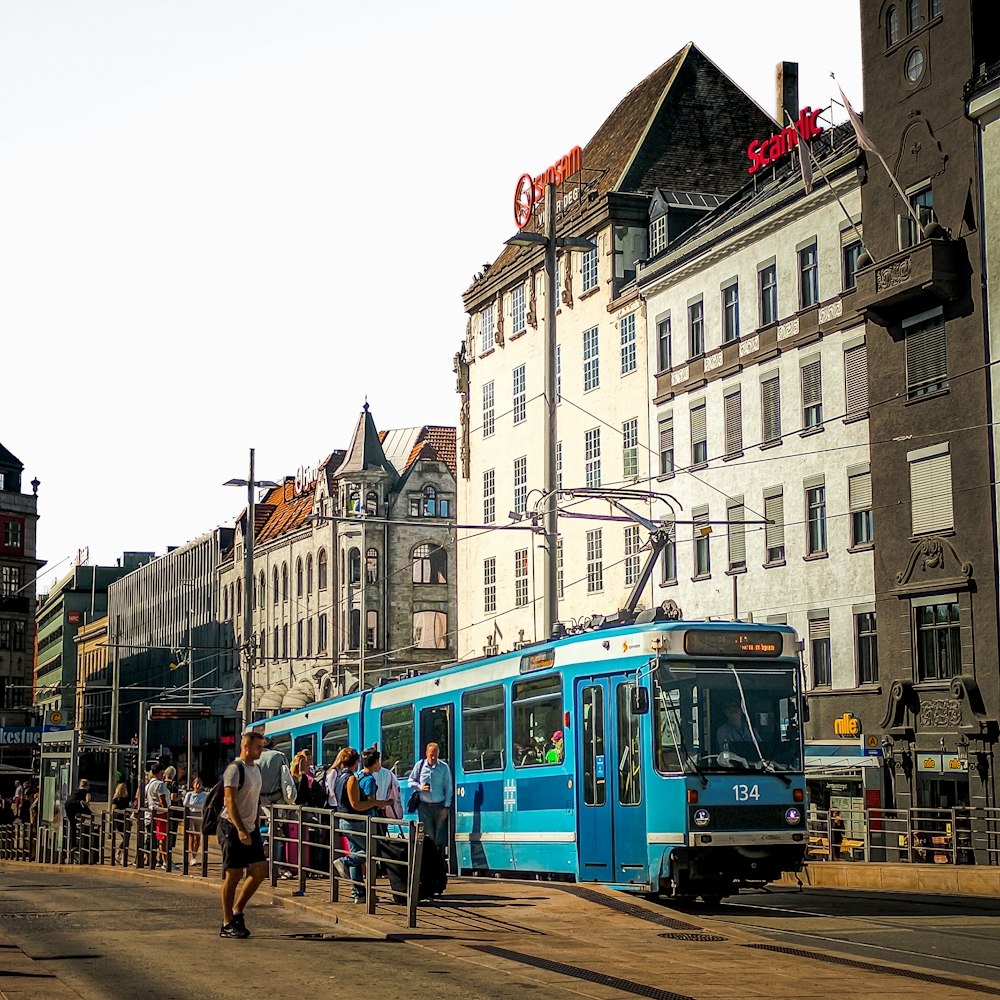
713 717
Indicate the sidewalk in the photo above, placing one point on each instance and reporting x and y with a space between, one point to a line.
956 880
23 978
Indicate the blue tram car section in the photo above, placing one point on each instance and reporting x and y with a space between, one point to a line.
661 757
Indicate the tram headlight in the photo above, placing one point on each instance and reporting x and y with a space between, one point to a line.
793 816
702 817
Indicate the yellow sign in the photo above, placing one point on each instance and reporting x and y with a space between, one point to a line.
55 718
872 742
847 725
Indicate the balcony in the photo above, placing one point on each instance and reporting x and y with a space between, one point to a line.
924 275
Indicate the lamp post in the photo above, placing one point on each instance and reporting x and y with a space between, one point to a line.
551 243
248 540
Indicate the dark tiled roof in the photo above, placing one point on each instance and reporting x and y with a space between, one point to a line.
8 459
365 453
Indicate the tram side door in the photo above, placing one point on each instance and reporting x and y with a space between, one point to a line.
437 725
611 834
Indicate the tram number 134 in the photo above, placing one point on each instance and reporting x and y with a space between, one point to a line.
744 793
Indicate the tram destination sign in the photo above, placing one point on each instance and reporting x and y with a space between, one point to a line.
731 642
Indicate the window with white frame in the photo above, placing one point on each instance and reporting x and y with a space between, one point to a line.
665 427
696 329
520 394
489 410
731 312
591 360
849 254
819 647
630 448
589 270
490 585
812 392
767 278
699 434
866 645
931 502
520 578
774 530
663 351
702 534
487 337
489 496
808 276
632 546
626 329
559 466
521 484
592 456
558 374
733 415
736 524
595 561
926 354
668 558
517 309
938 624
815 491
657 235
559 568
856 378
770 409
922 204
859 496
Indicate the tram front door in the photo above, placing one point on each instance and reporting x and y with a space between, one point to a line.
611 835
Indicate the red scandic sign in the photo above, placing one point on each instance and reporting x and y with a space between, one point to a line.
763 151
531 190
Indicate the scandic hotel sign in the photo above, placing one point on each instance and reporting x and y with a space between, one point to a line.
531 190
760 152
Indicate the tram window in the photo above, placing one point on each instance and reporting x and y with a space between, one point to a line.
483 728
538 716
282 742
666 718
397 740
629 767
306 742
594 780
336 736
435 727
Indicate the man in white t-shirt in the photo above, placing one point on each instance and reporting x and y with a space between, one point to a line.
239 834
157 796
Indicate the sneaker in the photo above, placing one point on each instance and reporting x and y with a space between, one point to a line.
240 922
286 874
358 899
231 930
341 869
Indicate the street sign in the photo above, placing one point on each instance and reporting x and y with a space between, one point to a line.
871 745
55 718
178 713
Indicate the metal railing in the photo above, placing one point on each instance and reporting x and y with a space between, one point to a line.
303 844
963 836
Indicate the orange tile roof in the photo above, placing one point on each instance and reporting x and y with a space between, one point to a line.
435 444
288 511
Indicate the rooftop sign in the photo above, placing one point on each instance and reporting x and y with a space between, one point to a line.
531 190
760 152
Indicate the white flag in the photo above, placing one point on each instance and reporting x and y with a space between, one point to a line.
864 139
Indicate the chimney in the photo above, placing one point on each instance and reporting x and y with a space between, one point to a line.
786 92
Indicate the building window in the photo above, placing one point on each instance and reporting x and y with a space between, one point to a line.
590 269
856 378
866 646
592 456
696 328
859 496
371 565
891 27
488 328
322 574
322 634
558 374
768 278
812 392
262 585
770 408
489 410
914 65
299 578
663 344
922 203
284 641
490 585
275 589
939 641
430 629
815 517
849 257
309 579
774 530
520 394
299 630
632 546
808 277
926 356
699 435
520 578
731 312
277 642
429 507
521 484
657 235
733 410
913 16
630 448
735 519
309 637
668 573
591 361
595 561
517 309
430 563
559 568
354 567
819 648
10 581
702 533
489 496
626 328
371 630
559 466
284 581
12 534
931 504
666 429
935 8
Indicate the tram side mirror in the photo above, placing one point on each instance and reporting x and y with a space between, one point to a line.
640 700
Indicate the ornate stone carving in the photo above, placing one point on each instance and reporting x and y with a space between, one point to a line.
896 273
470 341
898 700
532 314
461 370
940 714
567 282
498 336
931 553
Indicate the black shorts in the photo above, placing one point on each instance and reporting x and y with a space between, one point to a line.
236 854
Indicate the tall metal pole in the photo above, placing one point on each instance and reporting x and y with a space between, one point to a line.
363 573
190 666
113 731
248 539
550 603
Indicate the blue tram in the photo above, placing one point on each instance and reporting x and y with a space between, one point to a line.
660 756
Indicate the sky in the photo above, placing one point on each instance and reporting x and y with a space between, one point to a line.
225 224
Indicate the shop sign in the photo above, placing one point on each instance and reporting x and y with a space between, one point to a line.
11 736
847 725
74 617
871 745
531 190
305 475
941 763
763 151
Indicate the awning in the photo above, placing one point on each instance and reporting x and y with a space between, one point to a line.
837 761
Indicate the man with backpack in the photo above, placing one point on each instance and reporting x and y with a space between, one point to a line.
239 834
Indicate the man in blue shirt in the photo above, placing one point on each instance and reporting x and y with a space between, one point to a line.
431 777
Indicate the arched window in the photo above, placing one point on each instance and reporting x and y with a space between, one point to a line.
262 648
284 581
354 503
430 629
891 26
371 630
284 640
274 588
232 599
263 589
298 578
225 604
913 18
354 566
430 502
276 650
430 564
354 635
371 504
239 594
309 573
371 565
322 571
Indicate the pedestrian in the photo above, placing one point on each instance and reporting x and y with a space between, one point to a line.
352 799
157 797
119 815
836 835
77 805
431 777
194 806
239 834
388 789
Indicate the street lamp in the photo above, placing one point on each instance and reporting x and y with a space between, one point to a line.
551 243
248 540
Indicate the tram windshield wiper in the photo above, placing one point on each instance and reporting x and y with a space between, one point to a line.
768 765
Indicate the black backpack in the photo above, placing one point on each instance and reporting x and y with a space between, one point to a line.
216 800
